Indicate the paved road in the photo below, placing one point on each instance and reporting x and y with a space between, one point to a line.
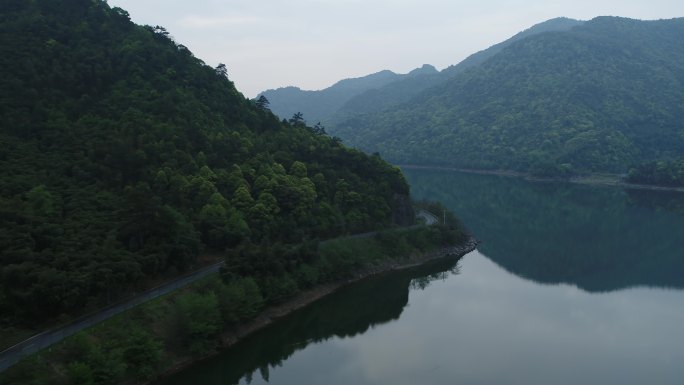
430 218
45 339
40 341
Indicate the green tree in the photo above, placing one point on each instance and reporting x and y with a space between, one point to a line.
262 102
199 320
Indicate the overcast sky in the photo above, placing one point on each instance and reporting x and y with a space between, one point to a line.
313 43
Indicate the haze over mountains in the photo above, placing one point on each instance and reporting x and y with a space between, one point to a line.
319 106
562 97
380 90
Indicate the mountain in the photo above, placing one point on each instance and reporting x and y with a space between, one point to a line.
557 24
402 90
123 158
600 96
319 106
376 92
392 94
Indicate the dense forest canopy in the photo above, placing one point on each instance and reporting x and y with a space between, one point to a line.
123 157
602 96
661 173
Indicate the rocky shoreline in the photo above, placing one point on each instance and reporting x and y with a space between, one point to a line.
272 313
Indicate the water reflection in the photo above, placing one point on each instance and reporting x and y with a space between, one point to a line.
347 313
598 238
487 326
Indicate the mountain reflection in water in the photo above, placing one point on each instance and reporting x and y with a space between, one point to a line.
595 237
544 300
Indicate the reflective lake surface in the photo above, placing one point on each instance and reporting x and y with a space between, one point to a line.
571 285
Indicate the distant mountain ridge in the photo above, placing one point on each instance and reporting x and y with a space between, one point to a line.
599 96
320 105
556 24
403 90
384 89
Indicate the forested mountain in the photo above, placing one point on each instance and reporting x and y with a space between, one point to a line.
392 94
557 24
403 90
601 96
317 106
123 157
376 92
320 106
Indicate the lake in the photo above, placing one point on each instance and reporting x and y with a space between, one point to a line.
572 284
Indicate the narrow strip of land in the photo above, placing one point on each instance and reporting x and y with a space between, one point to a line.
47 338
272 313
590 179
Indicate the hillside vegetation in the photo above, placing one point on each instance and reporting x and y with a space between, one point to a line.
601 96
385 89
404 89
123 157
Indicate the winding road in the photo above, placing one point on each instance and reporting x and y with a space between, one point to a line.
47 338
430 218
43 340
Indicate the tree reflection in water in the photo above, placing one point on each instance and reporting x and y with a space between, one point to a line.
346 313
598 238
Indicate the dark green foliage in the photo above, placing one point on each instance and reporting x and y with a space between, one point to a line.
662 173
31 371
123 157
280 271
238 299
262 102
598 97
91 361
142 354
199 318
144 342
80 373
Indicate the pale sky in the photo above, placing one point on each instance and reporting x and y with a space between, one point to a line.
314 43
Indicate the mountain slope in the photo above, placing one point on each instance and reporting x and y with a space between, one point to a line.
123 157
320 106
598 97
403 90
384 89
558 24
392 94
317 106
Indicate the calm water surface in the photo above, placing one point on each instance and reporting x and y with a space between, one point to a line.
572 284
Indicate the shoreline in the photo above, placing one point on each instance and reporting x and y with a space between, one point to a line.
273 313
591 179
